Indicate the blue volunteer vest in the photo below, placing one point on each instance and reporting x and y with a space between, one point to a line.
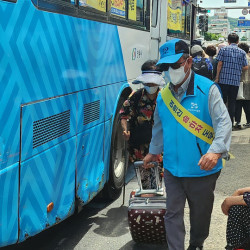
181 151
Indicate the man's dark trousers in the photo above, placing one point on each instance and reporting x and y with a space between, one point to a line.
199 192
229 94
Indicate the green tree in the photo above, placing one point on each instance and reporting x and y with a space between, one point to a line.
210 36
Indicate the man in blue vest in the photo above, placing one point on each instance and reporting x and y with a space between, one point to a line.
192 128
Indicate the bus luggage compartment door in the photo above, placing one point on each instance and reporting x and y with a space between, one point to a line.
47 174
90 141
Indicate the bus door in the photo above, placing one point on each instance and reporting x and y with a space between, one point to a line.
47 164
158 26
155 29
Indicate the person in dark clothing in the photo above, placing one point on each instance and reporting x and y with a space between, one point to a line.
231 62
237 207
211 52
244 103
201 66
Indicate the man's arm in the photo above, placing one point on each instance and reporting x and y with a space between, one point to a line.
245 67
219 67
231 201
222 126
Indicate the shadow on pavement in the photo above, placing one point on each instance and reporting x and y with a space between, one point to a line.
114 223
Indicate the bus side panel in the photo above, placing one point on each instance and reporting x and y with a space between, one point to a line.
44 54
135 46
47 123
49 54
47 174
91 108
90 165
48 177
107 144
113 94
9 205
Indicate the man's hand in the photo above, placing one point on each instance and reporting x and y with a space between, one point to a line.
126 135
208 161
149 158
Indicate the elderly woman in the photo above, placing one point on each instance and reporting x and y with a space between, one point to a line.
237 207
137 115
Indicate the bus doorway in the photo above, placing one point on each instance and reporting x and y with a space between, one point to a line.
158 27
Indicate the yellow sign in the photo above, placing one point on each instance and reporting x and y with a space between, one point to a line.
118 8
97 4
190 122
132 10
174 16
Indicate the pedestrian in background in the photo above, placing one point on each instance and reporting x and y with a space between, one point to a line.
244 103
192 163
211 52
220 46
137 117
231 61
201 65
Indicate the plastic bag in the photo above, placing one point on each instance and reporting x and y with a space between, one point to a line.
240 92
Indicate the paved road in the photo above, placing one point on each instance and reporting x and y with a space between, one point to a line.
103 226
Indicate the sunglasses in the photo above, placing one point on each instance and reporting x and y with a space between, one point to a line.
176 65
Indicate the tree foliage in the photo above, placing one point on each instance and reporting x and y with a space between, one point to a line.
210 36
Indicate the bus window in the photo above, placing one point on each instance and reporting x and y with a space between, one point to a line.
154 13
12 1
117 8
135 10
60 6
69 1
98 5
188 19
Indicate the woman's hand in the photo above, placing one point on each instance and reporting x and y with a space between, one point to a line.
231 201
126 135
241 191
125 132
225 206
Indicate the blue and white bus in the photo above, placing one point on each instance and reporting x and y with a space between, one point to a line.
65 68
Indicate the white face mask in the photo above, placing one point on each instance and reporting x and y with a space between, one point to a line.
177 75
151 90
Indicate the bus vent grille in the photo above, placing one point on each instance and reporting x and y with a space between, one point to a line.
91 112
50 128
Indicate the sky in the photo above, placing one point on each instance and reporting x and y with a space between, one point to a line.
220 3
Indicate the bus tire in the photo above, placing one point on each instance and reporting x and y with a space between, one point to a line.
118 162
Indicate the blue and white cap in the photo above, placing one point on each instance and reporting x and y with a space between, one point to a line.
172 51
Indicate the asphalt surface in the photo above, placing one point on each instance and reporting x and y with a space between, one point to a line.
103 226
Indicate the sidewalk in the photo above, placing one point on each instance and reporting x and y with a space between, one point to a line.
241 136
